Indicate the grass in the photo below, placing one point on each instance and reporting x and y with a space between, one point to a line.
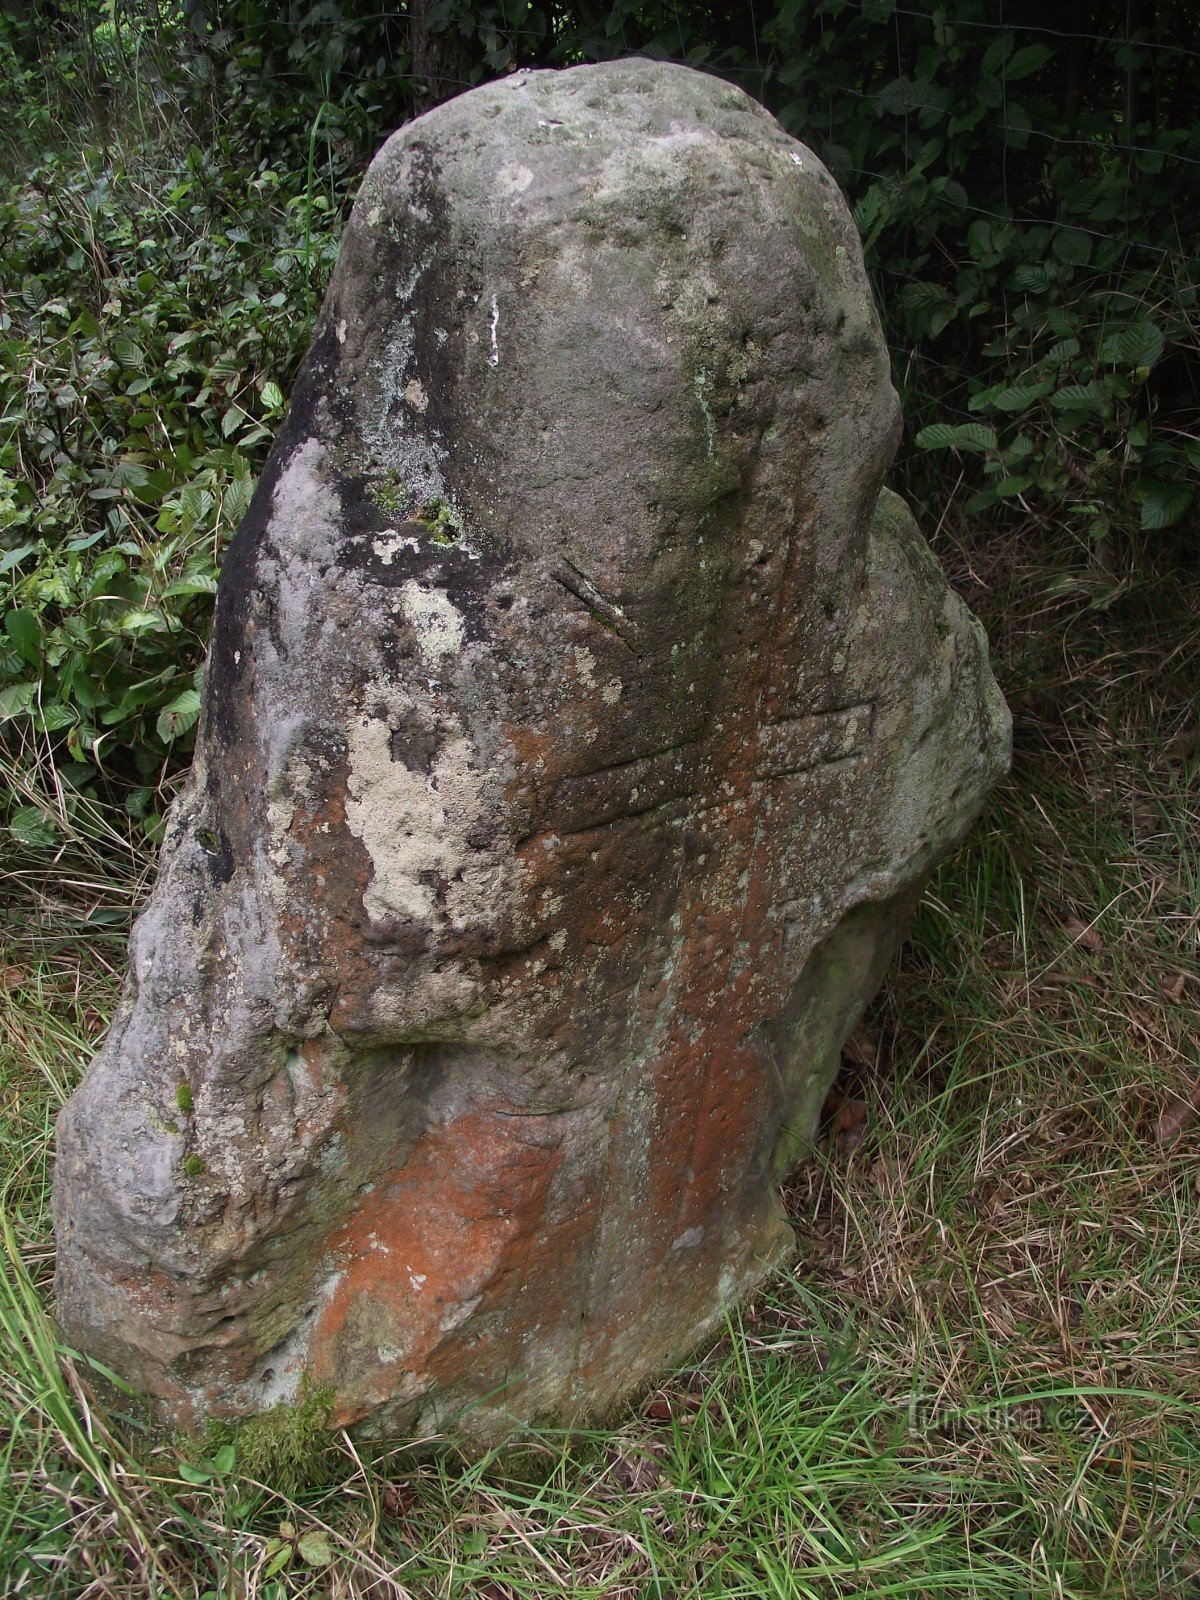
982 1377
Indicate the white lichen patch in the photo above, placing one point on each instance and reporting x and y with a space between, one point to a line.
394 437
585 666
710 426
305 511
388 544
413 824
435 620
513 178
280 812
414 394
456 1315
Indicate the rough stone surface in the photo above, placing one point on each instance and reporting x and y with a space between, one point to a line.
582 721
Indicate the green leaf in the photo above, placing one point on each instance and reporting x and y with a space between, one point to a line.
225 1460
1063 350
279 1553
1166 504
1014 484
313 1547
17 699
972 436
128 353
55 717
929 307
1032 277
1072 246
1080 397
1029 59
1009 397
138 620
237 500
196 1475
198 583
179 716
1140 345
272 396
1018 125
13 558
904 95
31 826
997 53
25 633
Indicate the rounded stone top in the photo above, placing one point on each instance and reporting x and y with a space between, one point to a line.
630 261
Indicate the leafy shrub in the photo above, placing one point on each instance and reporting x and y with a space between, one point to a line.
1023 195
155 307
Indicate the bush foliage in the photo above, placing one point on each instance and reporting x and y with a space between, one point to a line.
176 179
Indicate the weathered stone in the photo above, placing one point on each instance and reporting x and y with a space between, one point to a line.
581 724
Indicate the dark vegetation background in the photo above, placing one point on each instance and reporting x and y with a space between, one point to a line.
174 179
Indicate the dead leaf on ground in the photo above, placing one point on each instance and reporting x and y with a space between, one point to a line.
861 1049
1182 747
1084 934
664 1407
1172 988
399 1499
849 1125
851 1114
490 1589
1050 982
14 977
1145 1025
635 1470
1180 1114
1148 819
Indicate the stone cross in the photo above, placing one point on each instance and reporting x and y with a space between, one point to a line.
583 719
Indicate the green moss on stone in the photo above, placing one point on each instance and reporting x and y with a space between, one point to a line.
290 1448
184 1100
194 1166
439 518
392 494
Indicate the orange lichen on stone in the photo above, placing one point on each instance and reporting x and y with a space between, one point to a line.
427 1254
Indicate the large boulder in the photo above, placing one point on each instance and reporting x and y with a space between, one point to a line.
581 724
